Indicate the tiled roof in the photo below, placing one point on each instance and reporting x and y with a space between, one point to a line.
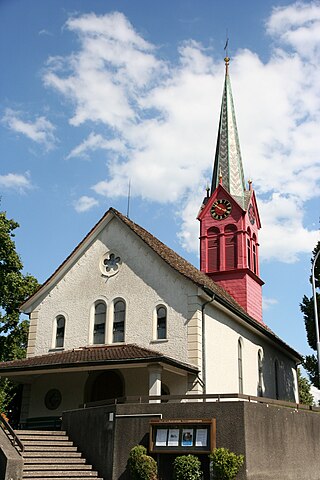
175 261
182 266
92 356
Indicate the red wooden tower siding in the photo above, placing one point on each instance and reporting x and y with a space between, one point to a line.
229 218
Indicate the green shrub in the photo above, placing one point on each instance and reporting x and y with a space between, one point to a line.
187 467
224 464
141 466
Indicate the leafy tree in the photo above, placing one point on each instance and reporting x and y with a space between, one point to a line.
15 287
305 394
307 308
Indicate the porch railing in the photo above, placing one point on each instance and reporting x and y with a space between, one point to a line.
204 398
10 433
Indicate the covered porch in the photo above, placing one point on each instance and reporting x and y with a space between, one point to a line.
66 380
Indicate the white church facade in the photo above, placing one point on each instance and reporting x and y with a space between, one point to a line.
125 315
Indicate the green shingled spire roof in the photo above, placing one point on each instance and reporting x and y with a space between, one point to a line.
228 161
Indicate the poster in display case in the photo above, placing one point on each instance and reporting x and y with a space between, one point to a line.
172 436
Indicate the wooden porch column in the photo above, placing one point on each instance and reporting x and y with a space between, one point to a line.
155 372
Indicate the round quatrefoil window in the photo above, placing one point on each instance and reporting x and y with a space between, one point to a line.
53 399
110 263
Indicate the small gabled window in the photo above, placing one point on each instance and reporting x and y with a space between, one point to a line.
99 328
60 330
119 321
161 323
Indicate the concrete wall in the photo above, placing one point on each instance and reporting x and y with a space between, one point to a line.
277 442
132 431
11 463
92 430
281 443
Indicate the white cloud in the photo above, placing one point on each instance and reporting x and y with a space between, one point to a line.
297 25
45 32
84 203
107 74
15 181
159 117
95 142
284 235
268 303
40 131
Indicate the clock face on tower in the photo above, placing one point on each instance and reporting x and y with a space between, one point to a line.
221 209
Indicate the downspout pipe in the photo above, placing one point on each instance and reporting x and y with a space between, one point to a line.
203 316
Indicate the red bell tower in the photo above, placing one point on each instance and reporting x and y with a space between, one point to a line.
229 218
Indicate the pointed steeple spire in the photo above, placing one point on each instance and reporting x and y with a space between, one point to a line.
228 164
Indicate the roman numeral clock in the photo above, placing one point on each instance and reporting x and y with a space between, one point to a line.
221 209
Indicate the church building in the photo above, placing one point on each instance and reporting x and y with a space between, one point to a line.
126 316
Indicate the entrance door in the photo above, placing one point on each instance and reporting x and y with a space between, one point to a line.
105 386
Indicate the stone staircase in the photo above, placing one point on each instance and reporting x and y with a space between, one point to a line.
50 455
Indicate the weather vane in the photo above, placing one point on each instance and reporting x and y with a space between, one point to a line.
226 58
226 45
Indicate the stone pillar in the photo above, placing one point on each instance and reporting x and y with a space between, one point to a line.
32 333
155 372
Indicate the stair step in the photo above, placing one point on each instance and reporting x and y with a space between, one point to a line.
53 460
48 438
39 448
67 478
48 443
58 466
60 473
52 433
50 454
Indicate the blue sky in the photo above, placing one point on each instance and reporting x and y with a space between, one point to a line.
94 93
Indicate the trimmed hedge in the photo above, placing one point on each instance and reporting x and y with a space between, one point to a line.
187 467
141 465
224 464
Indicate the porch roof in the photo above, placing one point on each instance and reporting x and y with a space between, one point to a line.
108 355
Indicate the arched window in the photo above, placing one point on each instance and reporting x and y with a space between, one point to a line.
249 248
260 375
231 246
99 329
254 253
240 370
161 322
276 378
213 249
60 330
119 321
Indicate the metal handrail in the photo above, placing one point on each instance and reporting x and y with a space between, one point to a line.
14 439
202 397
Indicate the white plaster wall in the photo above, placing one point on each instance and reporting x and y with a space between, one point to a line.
143 281
222 335
71 386
137 381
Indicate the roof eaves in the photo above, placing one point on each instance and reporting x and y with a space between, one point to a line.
96 363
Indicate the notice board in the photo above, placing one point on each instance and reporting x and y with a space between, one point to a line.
181 436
